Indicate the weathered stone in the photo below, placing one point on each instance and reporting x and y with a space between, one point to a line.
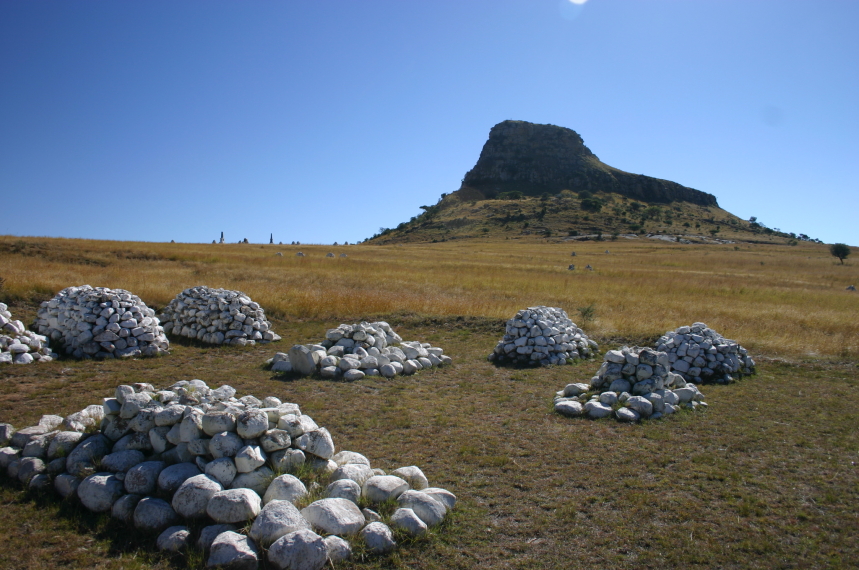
121 461
142 479
233 551
225 444
318 442
192 497
172 477
248 458
123 508
276 519
443 496
413 476
154 515
223 470
82 460
299 550
209 533
338 549
98 492
378 538
174 539
425 506
344 489
285 488
334 516
66 484
408 521
257 480
233 506
381 488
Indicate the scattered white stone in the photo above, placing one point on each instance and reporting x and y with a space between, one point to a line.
338 549
381 488
413 476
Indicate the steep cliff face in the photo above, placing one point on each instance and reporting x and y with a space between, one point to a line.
533 159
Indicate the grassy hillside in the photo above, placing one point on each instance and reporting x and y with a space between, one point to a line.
468 214
766 477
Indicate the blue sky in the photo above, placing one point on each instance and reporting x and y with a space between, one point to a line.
324 121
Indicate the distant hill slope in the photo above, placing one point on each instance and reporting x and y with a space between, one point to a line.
541 180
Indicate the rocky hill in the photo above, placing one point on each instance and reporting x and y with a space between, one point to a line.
533 159
542 181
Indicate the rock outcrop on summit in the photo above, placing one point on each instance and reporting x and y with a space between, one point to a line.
533 159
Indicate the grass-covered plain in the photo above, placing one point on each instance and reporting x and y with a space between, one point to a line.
766 477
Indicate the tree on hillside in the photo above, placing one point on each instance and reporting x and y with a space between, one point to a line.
839 250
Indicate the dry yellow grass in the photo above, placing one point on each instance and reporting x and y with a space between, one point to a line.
780 300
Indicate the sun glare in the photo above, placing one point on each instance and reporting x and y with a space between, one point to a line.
579 2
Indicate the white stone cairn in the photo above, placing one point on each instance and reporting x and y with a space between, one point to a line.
152 463
632 384
351 352
97 322
18 345
217 316
545 336
702 355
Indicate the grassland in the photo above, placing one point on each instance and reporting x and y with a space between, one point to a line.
767 477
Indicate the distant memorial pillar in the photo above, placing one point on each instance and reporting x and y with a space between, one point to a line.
222 237
271 240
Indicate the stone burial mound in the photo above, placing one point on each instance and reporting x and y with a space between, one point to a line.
542 335
217 316
632 384
235 478
18 345
700 354
97 322
352 352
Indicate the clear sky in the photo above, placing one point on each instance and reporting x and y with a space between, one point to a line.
323 121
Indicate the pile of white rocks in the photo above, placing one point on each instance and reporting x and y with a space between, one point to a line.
18 345
700 354
97 322
542 335
632 384
217 316
352 352
190 457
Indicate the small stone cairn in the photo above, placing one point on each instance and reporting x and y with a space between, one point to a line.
217 316
632 384
173 461
542 335
352 352
97 322
18 345
701 355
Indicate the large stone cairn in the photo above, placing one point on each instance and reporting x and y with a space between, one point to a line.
352 352
542 335
173 461
632 383
97 322
700 354
18 345
217 316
